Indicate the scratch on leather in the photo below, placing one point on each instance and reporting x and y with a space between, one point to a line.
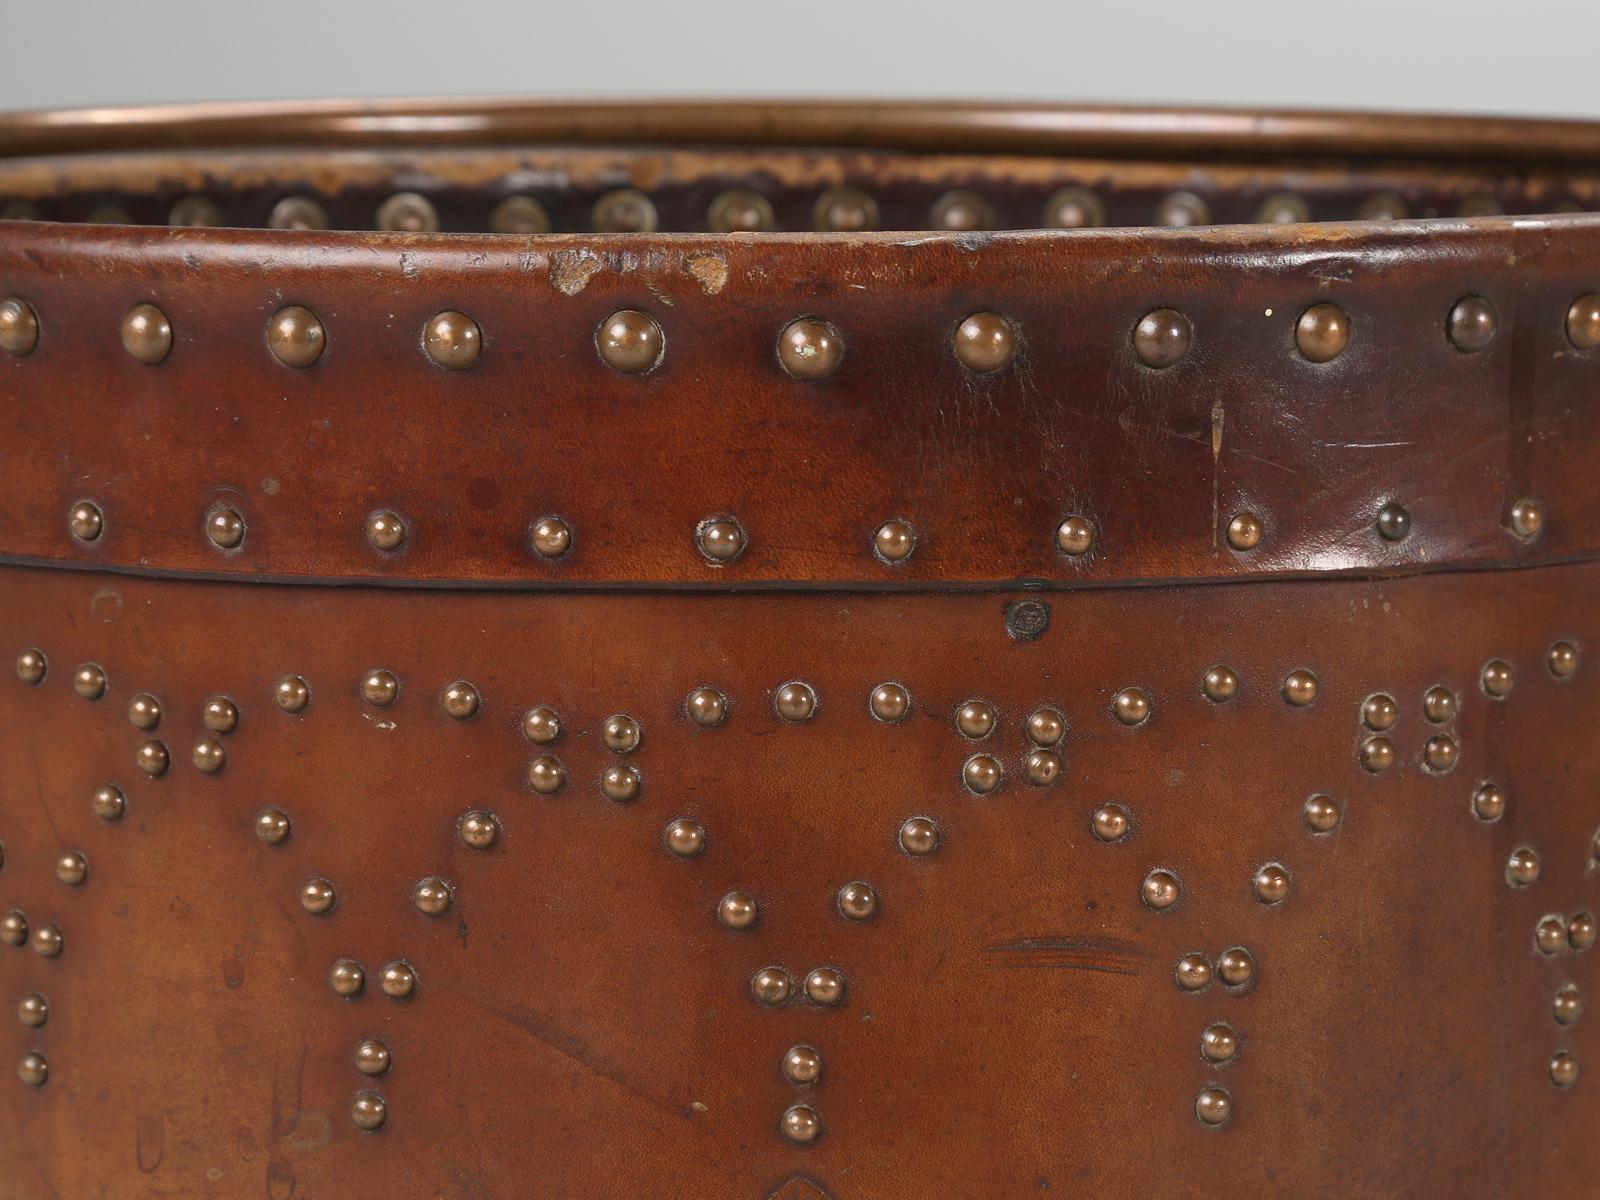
1066 954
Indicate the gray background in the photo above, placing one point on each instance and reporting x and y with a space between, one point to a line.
1447 55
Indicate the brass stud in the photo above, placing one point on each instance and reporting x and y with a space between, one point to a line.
1041 768
1322 332
961 210
291 694
1236 967
894 541
975 719
802 1065
621 733
31 666
541 725
452 340
317 897
1527 518
47 941
620 783
1583 322
459 701
386 531
1440 754
408 212
33 1070
295 336
478 830
107 803
1563 659
1283 208
1181 210
225 528
89 682
1219 1043
1046 727
146 333
720 539
1379 711
737 911
1488 802
1321 814
795 701
1110 822
19 327
1550 935
220 715
369 1111
810 349
982 774
1377 754
824 985
549 537
1162 337
919 836
1472 324
1213 1106
399 980
1075 536
14 928
1439 704
144 711
1131 706
1073 208
297 212
624 210
1193 972
771 985
845 210
1522 868
371 1056
1220 684
1159 890
1496 678
546 775
152 758
1244 531
209 755
1271 884
857 901
272 826
431 896
1567 1006
33 1010
1581 931
380 688
1563 1069
630 341
85 521
1394 522
72 868
1383 206
520 215
740 210
801 1125
985 342
707 707
890 702
685 837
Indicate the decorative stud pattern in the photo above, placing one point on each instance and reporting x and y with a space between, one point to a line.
107 803
1522 868
295 336
291 694
1073 208
961 210
1236 967
407 212
19 327
1379 712
801 1125
459 701
1159 890
1472 324
85 521
346 978
1300 688
33 1010
298 212
1220 684
452 340
621 734
1132 706
1439 704
1440 754
152 758
1271 884
272 826
1244 531
371 1057
1496 678
795 701
1563 659
89 681
478 830
624 210
220 715
147 334
209 756
1377 754
845 210
1162 338
1322 333
737 911
1213 1106
685 837
1394 522
707 707
1488 802
541 725
1527 518
546 775
857 901
771 986
317 897
47 941
982 774
549 537
369 1111
386 531
824 986
1110 822
1563 1069
32 666
72 868
810 349
919 836
802 1065
894 541
889 702
1192 972
521 215
720 539
620 783
431 896
1583 322
1075 536
630 342
1321 814
985 342
398 981
33 1070
14 928
1219 1043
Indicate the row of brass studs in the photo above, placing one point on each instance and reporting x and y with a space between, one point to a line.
808 348
745 210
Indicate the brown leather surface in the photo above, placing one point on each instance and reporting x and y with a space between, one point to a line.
582 1025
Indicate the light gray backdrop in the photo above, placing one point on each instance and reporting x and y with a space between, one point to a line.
1463 55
